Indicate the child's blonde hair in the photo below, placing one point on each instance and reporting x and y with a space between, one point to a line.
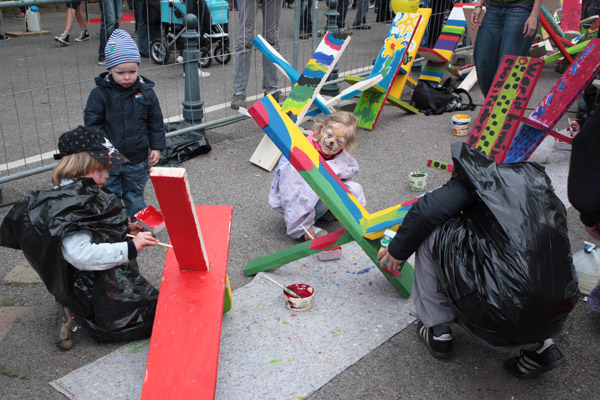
341 117
74 166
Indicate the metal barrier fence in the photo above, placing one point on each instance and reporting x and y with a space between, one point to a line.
44 86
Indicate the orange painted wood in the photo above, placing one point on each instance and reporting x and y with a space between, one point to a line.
175 200
184 348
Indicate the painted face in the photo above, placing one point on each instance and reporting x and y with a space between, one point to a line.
125 74
99 176
333 139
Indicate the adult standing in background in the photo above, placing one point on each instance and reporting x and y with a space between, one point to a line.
110 16
271 13
509 28
146 28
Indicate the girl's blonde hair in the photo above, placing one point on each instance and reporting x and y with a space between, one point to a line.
341 117
74 166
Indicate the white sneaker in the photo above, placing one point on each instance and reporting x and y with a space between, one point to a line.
179 60
201 74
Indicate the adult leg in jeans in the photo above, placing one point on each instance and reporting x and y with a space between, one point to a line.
111 11
243 46
500 34
362 8
143 34
271 10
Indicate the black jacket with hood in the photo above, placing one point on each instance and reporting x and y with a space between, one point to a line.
130 117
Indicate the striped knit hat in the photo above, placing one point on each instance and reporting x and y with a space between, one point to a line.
120 49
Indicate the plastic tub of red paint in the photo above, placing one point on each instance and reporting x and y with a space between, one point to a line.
306 293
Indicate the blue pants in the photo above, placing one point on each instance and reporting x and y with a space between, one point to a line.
127 182
111 11
145 33
500 34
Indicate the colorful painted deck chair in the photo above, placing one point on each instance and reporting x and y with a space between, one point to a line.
359 225
505 104
555 33
398 86
554 106
388 64
438 58
305 89
184 348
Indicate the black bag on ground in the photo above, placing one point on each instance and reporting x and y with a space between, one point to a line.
439 99
509 274
183 147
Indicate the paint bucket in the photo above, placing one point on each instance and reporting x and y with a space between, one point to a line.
418 180
460 123
306 293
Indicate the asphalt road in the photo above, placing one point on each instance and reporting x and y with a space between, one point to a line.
400 368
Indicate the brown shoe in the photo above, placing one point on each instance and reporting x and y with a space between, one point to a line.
66 327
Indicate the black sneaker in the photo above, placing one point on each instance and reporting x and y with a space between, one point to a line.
83 36
66 327
276 96
4 37
62 39
530 364
439 346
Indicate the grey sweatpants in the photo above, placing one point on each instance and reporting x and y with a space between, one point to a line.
432 306
271 12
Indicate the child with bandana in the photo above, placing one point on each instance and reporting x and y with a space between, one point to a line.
292 196
124 105
75 237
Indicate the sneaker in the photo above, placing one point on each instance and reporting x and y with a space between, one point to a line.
238 100
62 39
439 346
179 59
276 95
4 38
83 36
66 327
201 74
101 62
530 364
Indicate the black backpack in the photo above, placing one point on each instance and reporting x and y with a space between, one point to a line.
439 99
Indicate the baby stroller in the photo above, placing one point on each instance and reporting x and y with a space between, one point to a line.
171 16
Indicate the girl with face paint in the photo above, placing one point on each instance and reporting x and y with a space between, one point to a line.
290 195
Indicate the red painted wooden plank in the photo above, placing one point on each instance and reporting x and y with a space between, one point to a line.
174 197
566 90
184 348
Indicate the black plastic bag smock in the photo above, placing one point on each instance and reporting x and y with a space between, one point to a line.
118 303
505 262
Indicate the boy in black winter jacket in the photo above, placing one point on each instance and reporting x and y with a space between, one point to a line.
125 107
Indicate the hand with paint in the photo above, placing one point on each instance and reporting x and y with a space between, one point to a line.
135 228
574 126
144 239
386 261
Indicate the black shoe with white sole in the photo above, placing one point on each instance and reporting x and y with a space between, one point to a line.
530 364
439 346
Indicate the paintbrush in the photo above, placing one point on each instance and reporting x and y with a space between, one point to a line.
159 243
307 232
284 288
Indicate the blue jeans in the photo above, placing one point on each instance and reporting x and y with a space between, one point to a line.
500 34
145 33
127 182
110 12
